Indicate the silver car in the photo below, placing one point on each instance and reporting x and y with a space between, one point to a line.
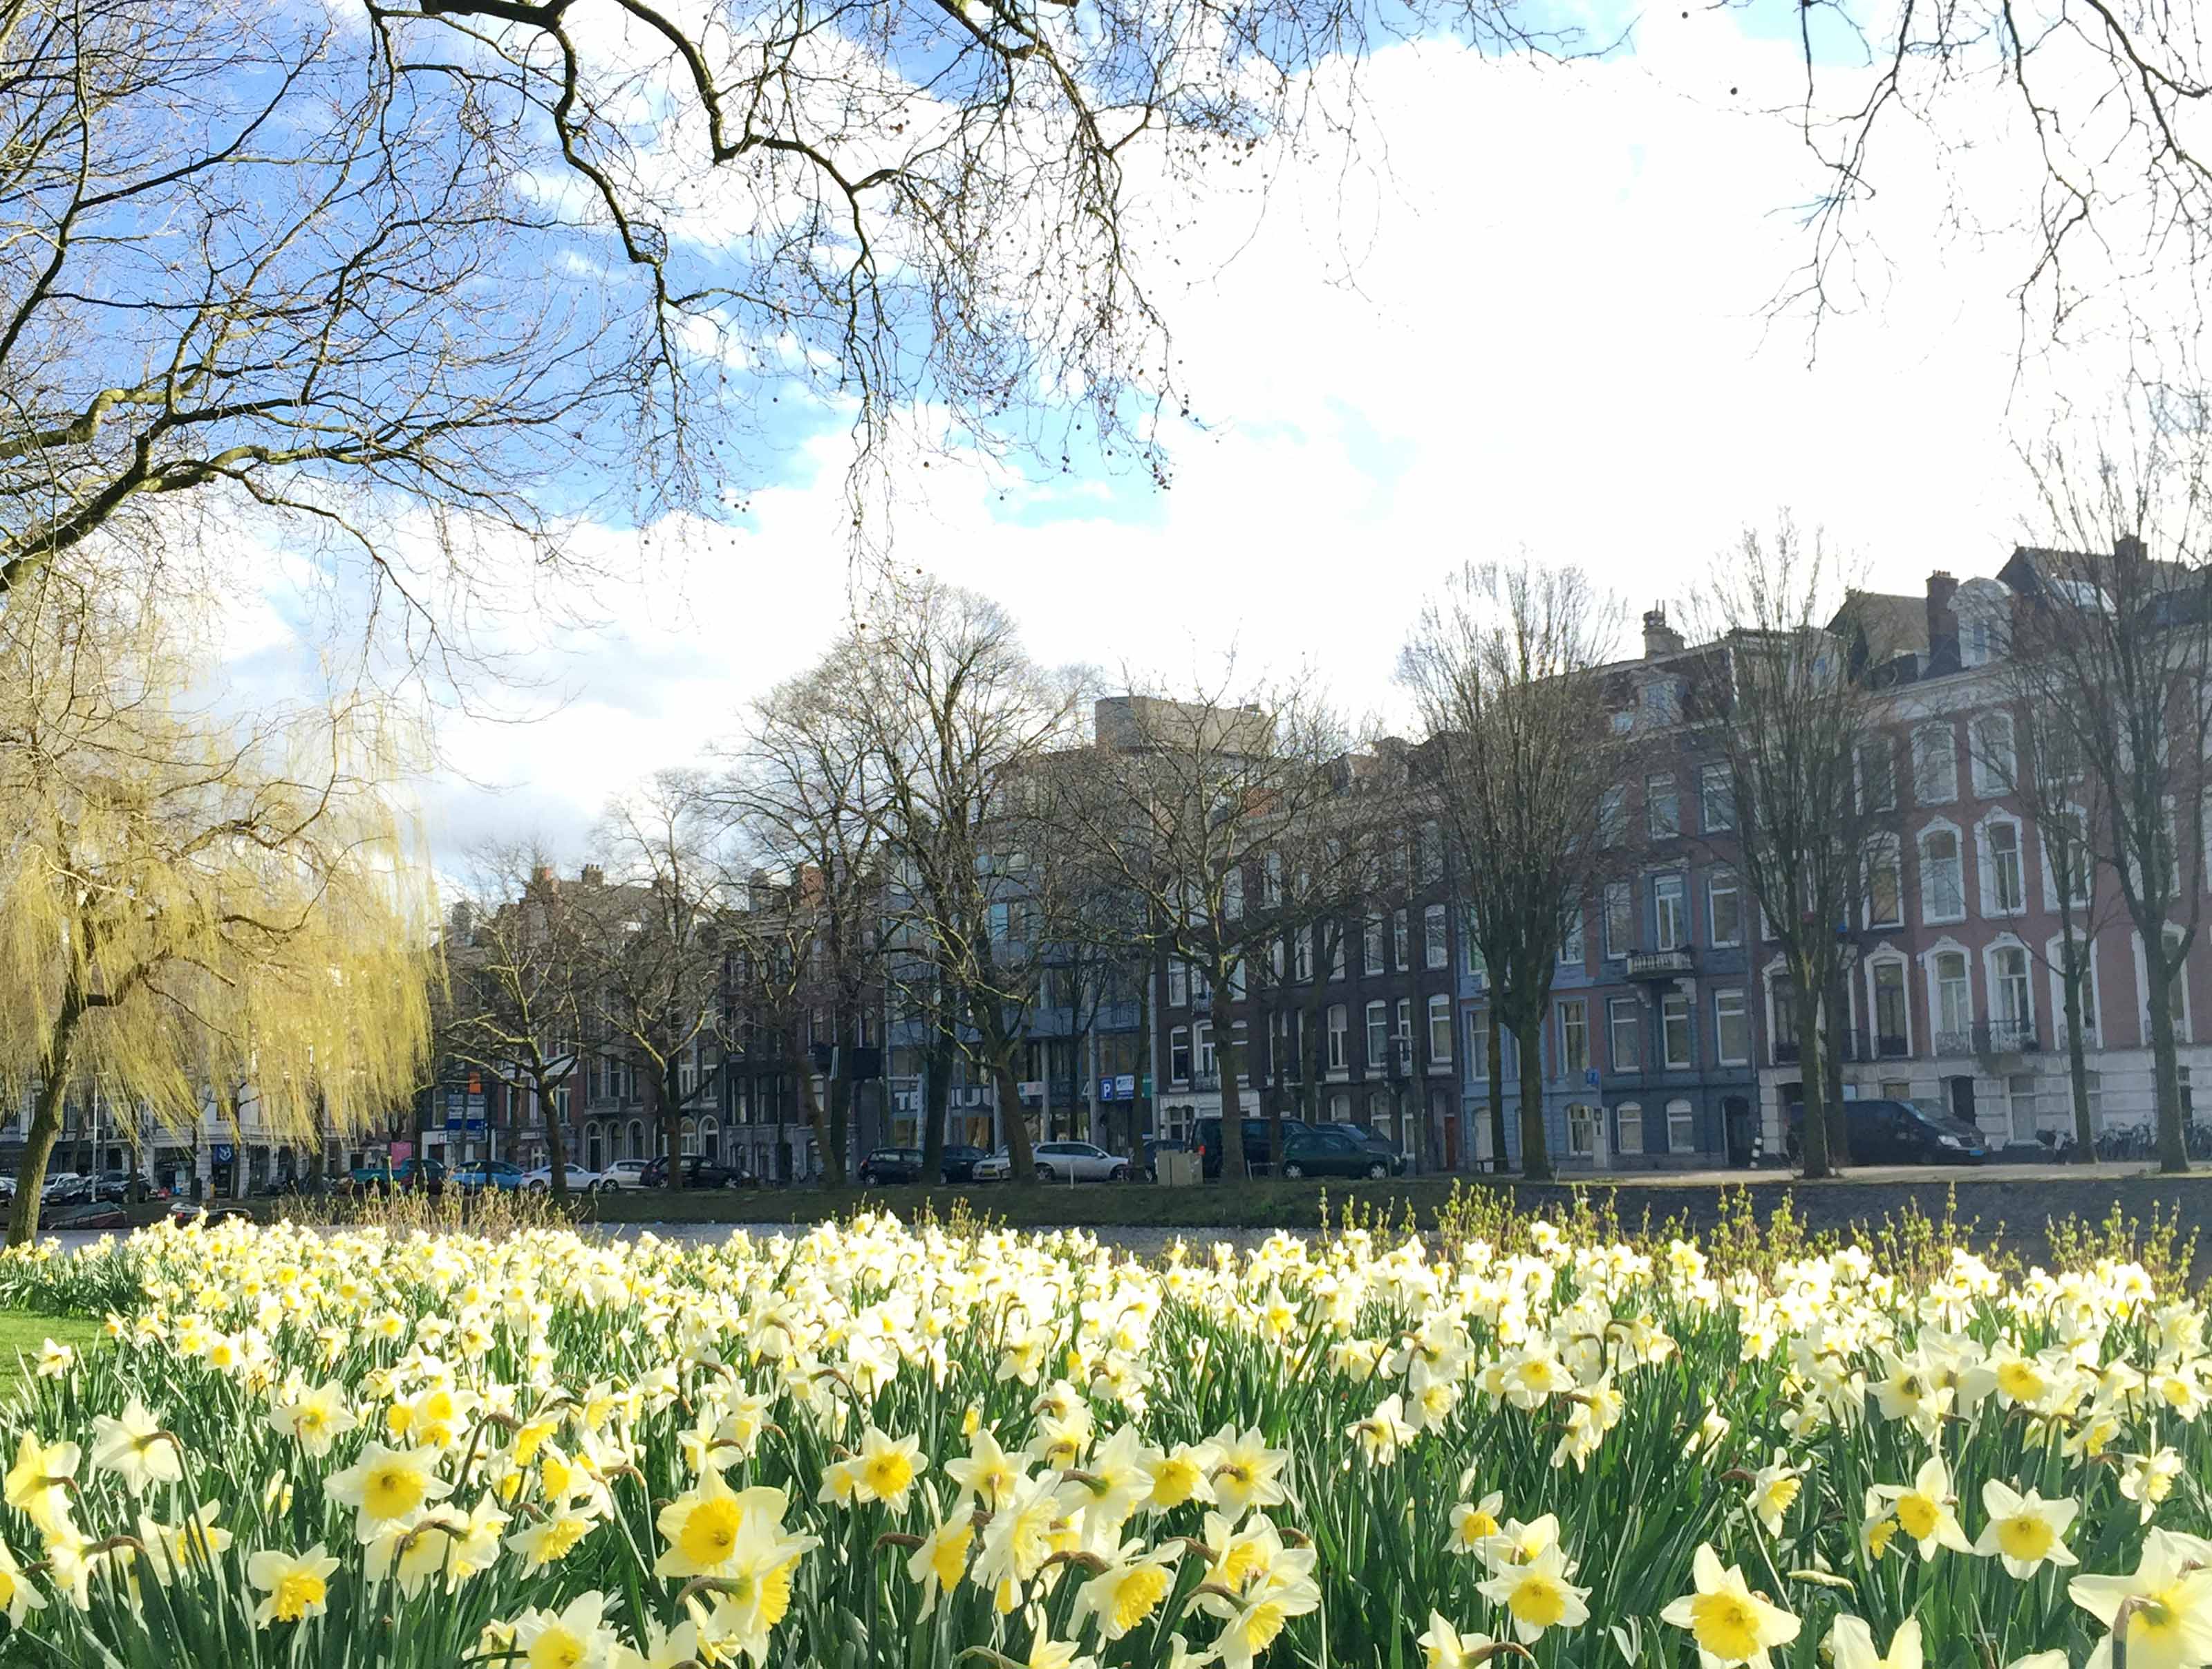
580 1180
1078 1161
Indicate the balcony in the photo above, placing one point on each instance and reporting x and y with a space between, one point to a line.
1954 1043
1875 1046
2005 1037
1675 964
1786 1051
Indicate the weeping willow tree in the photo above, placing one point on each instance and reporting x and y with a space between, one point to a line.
196 908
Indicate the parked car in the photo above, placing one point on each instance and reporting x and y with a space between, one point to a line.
427 1174
626 1174
1078 1161
698 1172
1206 1133
992 1167
1334 1150
115 1187
959 1163
1884 1132
579 1180
888 1166
497 1174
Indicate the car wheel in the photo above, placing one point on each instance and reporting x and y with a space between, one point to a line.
1376 1171
1119 1173
1294 1172
1044 1173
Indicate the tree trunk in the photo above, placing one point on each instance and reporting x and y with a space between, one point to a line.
2172 1150
556 1144
2077 1056
1837 1008
834 1172
1535 1150
936 1091
1021 1158
1417 1049
1497 1065
671 1125
1814 1122
45 1124
1141 1099
1225 1065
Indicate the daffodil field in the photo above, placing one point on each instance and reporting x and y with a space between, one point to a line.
875 1448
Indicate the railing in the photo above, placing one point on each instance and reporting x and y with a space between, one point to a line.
2005 1037
1786 1053
1661 964
1874 1046
1206 1080
2061 1035
1954 1043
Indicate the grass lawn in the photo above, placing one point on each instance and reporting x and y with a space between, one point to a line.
21 1333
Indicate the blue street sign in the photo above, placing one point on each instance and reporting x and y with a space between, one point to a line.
1590 1077
224 1153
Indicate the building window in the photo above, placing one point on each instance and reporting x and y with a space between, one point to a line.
1478 1042
1885 903
1302 960
1662 807
1625 1047
1612 817
1993 763
1619 918
1440 1027
2011 993
1942 890
1339 1028
1731 1028
1674 1029
1571 949
1724 897
1405 1034
1435 941
1717 799
1372 958
2019 1099
1670 912
1628 1118
2005 875
1401 939
1378 1035
1877 775
1781 1008
1582 1131
1208 1064
1681 1128
1340 1107
1472 950
1574 1038
1955 1003
1934 765
1890 1031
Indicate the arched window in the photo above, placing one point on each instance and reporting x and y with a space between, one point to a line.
1681 1127
689 1135
595 1149
1943 881
637 1138
1628 1126
710 1138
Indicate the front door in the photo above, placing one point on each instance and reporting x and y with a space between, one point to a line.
1736 1115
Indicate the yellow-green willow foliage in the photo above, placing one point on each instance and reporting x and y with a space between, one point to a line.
195 906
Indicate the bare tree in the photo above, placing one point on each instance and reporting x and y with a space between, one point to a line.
2113 633
802 787
1187 795
189 901
1797 715
1519 760
650 938
513 1009
959 719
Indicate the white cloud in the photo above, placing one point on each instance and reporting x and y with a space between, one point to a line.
1554 337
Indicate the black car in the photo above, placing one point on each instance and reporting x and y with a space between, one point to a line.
1900 1133
1336 1151
959 1163
699 1171
104 1214
1206 1135
887 1165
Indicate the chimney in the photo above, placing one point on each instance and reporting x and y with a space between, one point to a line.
542 875
1943 622
594 875
1659 637
2128 549
461 919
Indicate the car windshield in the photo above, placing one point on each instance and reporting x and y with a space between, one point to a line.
1941 1117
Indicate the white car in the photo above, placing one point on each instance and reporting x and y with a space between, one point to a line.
995 1168
624 1174
1078 1162
581 1181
